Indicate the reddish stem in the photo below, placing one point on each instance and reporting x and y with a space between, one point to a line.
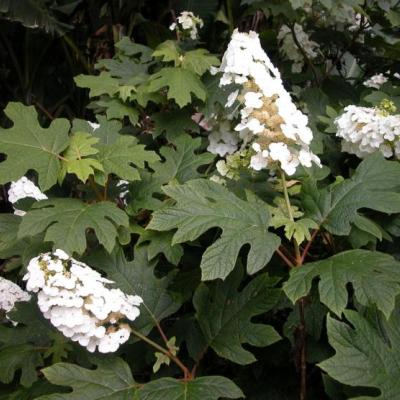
308 245
302 338
43 110
284 258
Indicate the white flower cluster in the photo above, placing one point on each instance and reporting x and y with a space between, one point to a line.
77 301
10 293
188 23
22 189
277 130
366 130
376 81
290 49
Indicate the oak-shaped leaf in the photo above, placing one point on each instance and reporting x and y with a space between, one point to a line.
201 205
11 246
224 315
111 380
66 221
168 51
9 243
28 146
374 185
24 357
76 158
107 132
100 84
367 352
130 48
123 157
375 278
137 278
181 164
203 388
159 242
37 389
181 84
199 61
116 109
174 123
22 346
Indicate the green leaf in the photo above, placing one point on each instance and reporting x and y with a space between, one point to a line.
375 278
375 185
180 165
367 353
111 380
393 17
224 315
75 160
67 220
130 48
24 357
174 123
29 146
34 14
129 70
59 349
9 243
81 145
32 327
300 229
39 388
168 51
314 314
107 133
137 277
98 84
366 225
161 358
206 387
199 61
181 83
25 345
202 205
117 158
116 109
160 242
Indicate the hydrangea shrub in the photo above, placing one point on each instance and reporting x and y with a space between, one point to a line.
223 224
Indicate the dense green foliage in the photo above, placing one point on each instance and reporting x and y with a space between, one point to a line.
252 288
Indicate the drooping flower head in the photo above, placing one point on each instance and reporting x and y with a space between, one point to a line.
271 127
78 301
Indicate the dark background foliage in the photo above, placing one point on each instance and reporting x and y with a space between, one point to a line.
44 44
